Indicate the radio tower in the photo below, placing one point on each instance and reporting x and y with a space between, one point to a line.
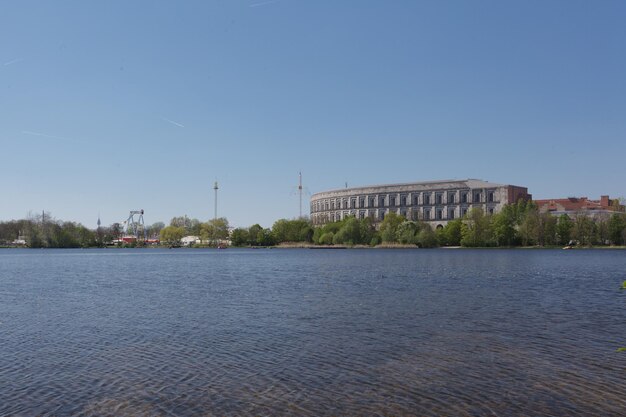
215 187
300 191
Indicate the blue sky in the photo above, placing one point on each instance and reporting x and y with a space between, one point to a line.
111 106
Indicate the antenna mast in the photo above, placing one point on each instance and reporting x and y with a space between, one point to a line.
300 191
215 187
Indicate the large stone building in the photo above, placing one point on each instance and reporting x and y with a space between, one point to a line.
435 202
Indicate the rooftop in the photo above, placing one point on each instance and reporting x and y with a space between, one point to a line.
440 184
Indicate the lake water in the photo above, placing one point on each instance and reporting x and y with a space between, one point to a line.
312 332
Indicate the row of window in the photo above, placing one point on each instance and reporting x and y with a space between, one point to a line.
414 214
393 200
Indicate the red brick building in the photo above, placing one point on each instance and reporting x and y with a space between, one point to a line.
572 205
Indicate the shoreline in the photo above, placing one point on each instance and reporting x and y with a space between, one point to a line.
334 247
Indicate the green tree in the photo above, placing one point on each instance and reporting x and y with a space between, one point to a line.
349 233
616 227
265 237
253 234
191 226
194 227
583 229
240 237
564 229
452 232
406 232
326 238
442 236
282 231
528 228
389 227
297 230
548 229
154 229
331 228
504 223
317 235
172 235
475 231
215 229
426 238
601 229
520 208
181 221
367 231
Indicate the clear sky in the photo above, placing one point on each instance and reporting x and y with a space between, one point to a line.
112 106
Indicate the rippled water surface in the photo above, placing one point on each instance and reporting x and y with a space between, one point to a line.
312 332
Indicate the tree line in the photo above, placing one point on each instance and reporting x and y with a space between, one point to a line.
209 233
44 231
349 231
283 230
520 224
47 232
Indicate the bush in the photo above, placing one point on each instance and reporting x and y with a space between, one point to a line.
326 238
427 238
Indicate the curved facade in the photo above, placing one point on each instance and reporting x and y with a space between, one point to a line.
435 202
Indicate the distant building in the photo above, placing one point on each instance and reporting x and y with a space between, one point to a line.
436 202
574 205
190 240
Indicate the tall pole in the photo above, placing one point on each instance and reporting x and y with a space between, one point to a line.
215 187
300 191
99 231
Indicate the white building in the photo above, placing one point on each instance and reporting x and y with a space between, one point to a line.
435 202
